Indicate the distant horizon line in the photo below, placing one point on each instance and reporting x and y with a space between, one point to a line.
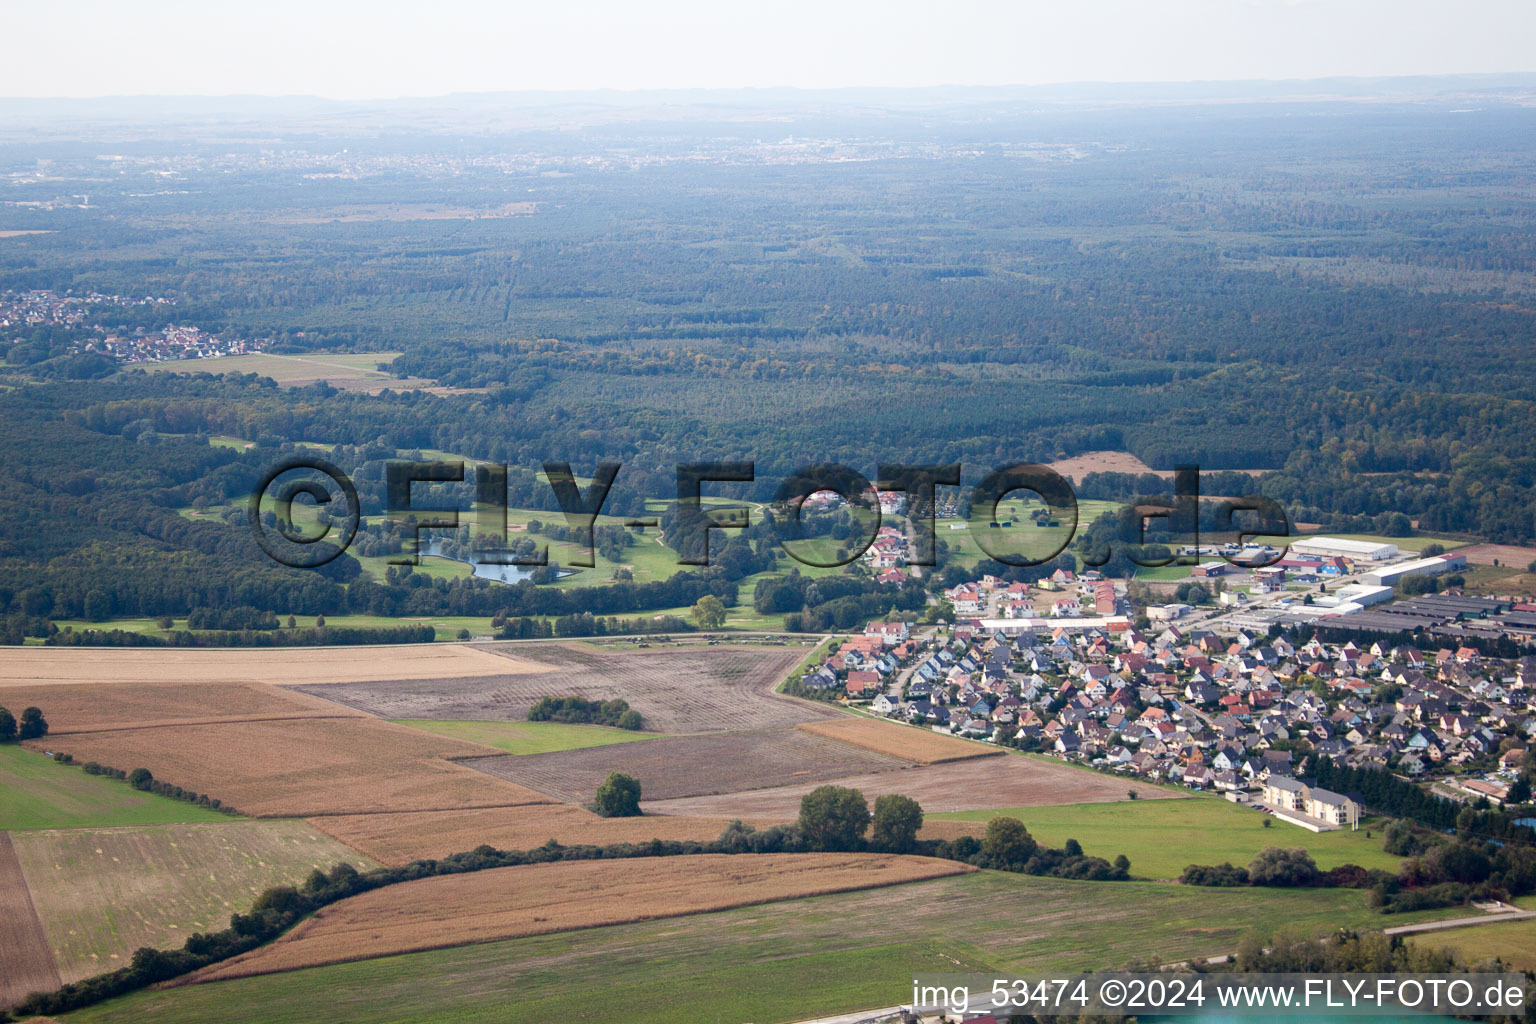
1488 79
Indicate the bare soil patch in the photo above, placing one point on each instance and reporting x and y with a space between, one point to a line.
1504 554
692 689
24 951
416 835
34 666
682 766
1006 781
1079 466
920 746
537 899
304 767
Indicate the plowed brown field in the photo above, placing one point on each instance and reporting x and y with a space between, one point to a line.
504 903
304 767
26 959
694 689
400 838
679 766
919 746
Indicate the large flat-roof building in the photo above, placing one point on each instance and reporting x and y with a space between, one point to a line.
1389 576
1354 550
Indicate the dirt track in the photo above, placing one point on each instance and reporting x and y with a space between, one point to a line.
24 951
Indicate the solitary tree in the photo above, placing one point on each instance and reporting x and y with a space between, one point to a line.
1008 844
618 797
708 612
33 724
897 821
7 726
834 818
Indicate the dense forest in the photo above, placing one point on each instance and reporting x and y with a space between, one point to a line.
1337 295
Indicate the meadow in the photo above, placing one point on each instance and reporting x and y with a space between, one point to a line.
40 793
1514 942
101 893
527 737
1162 837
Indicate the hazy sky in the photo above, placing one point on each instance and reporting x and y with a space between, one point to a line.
381 48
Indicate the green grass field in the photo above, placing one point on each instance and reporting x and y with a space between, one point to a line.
1023 538
1512 941
1162 837
39 793
102 893
773 963
529 737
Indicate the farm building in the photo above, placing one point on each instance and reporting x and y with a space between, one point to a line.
1355 550
1423 567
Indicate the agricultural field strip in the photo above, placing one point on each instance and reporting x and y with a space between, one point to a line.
502 903
920 746
24 951
1008 781
101 893
43 666
396 838
95 707
698 765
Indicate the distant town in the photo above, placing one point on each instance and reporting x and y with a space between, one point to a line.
87 323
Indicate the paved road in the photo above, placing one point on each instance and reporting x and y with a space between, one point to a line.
1461 922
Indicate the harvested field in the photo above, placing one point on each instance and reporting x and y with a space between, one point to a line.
694 689
1079 466
305 767
30 666
24 949
414 835
920 746
538 899
682 766
1007 781
94 707
1504 554
103 893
